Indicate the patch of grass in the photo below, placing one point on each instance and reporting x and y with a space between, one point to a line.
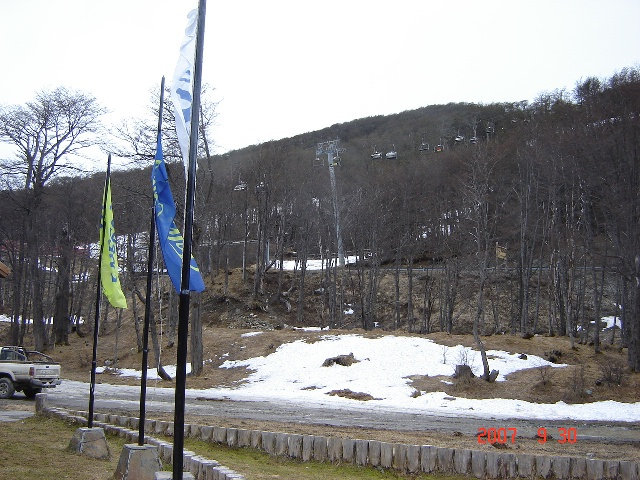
256 465
37 448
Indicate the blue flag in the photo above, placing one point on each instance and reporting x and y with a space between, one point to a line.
171 241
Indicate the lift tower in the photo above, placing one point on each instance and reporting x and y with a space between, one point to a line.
332 150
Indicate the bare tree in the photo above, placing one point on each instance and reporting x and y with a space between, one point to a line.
47 132
612 133
530 225
136 137
480 191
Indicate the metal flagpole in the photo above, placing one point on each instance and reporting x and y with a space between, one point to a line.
183 308
147 305
145 330
92 386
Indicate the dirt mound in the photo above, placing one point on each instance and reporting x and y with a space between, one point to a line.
344 360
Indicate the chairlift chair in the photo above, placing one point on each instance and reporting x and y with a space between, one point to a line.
240 186
392 154
376 154
439 148
424 146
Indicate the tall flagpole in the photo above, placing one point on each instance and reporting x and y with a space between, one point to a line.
145 330
147 305
183 308
92 386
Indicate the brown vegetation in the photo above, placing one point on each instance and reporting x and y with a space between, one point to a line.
224 342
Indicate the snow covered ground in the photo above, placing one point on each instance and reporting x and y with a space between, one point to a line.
294 374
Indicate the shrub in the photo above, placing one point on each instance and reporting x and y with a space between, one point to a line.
613 371
546 373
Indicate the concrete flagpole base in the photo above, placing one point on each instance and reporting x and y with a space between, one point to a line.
41 403
138 462
90 442
169 476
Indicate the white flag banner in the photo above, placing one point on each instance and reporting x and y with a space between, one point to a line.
182 86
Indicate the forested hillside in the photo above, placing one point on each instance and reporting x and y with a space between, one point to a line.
504 218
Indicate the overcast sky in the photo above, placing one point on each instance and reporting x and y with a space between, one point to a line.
284 67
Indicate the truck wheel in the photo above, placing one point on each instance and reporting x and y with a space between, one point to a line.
31 392
6 388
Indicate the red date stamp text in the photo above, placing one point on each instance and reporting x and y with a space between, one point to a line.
508 435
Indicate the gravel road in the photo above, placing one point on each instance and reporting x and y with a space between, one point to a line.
74 395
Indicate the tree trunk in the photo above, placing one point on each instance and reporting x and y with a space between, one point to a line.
427 305
61 310
450 293
153 331
476 322
104 322
301 283
196 336
246 236
410 319
626 317
118 325
26 312
79 295
136 322
227 236
372 294
262 243
19 285
396 277
174 301
633 352
39 332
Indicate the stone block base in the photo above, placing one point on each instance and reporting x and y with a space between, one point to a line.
138 463
169 476
90 442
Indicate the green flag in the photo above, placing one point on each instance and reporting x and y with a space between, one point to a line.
109 258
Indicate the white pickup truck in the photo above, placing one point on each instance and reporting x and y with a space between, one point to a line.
27 371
